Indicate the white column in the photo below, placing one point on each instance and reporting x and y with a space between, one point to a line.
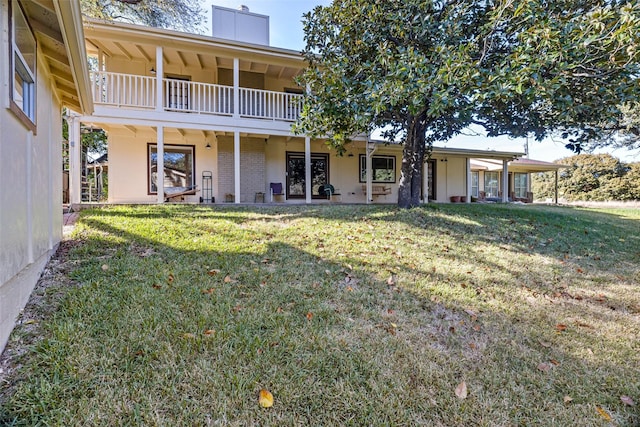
75 160
505 181
307 169
425 182
468 180
159 79
371 148
236 165
160 164
236 87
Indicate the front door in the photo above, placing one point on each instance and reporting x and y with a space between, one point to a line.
296 185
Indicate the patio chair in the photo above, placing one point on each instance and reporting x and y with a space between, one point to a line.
276 189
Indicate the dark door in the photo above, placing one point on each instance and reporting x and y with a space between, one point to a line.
296 185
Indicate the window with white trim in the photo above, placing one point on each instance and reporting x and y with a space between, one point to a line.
520 185
179 166
23 66
383 168
491 184
475 180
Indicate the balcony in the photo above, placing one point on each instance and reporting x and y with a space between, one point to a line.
139 92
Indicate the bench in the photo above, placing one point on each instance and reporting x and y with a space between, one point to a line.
377 190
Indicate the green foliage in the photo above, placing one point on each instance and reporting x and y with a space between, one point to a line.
591 177
425 70
183 15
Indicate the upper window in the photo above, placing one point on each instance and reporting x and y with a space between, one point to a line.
179 166
23 66
383 168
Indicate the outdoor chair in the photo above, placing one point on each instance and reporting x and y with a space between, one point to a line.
276 189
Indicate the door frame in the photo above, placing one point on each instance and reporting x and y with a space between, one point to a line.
299 154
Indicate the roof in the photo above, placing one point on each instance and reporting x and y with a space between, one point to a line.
518 165
58 28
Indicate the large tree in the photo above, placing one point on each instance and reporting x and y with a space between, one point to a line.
183 15
424 70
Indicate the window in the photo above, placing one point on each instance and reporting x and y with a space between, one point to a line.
520 185
491 183
475 180
179 166
383 168
23 67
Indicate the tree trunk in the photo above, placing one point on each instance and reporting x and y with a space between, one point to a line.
412 161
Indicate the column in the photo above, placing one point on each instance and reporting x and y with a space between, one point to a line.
555 188
236 87
236 165
75 160
425 182
160 163
307 169
159 79
468 180
505 181
370 148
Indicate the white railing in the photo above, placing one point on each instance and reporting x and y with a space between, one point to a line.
268 104
123 90
193 97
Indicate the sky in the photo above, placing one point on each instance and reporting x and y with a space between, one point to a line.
286 31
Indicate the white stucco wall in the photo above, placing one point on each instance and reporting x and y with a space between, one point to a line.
30 190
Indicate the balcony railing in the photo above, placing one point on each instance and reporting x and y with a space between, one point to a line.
126 90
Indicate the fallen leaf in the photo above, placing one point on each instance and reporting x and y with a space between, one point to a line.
208 291
544 367
349 289
279 310
394 326
105 267
170 279
227 279
604 414
266 398
627 400
213 272
309 315
579 270
560 327
237 308
554 362
156 286
567 399
209 332
461 390
30 322
391 281
472 346
545 343
188 335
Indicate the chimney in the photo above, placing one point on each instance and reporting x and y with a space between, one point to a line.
243 8
240 25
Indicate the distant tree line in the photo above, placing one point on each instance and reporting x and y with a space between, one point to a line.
591 177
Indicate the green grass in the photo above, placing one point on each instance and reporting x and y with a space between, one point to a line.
349 315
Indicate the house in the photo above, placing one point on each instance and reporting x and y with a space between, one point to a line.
44 68
216 113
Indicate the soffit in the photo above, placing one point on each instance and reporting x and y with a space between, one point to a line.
44 22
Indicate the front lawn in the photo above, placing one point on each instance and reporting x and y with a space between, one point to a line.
363 315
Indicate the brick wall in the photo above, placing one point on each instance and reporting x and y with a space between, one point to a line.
252 167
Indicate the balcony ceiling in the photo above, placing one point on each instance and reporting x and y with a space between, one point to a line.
186 135
138 43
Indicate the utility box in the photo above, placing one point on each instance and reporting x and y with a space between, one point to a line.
240 25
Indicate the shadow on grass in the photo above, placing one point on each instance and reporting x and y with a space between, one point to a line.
182 319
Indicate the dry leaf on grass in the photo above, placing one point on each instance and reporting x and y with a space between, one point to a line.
567 399
560 327
461 390
309 316
213 272
105 267
265 399
627 400
604 414
544 367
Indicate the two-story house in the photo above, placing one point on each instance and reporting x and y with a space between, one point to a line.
215 112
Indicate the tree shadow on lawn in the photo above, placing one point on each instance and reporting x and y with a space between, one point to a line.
160 335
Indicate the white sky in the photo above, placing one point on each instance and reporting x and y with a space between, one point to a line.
285 20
